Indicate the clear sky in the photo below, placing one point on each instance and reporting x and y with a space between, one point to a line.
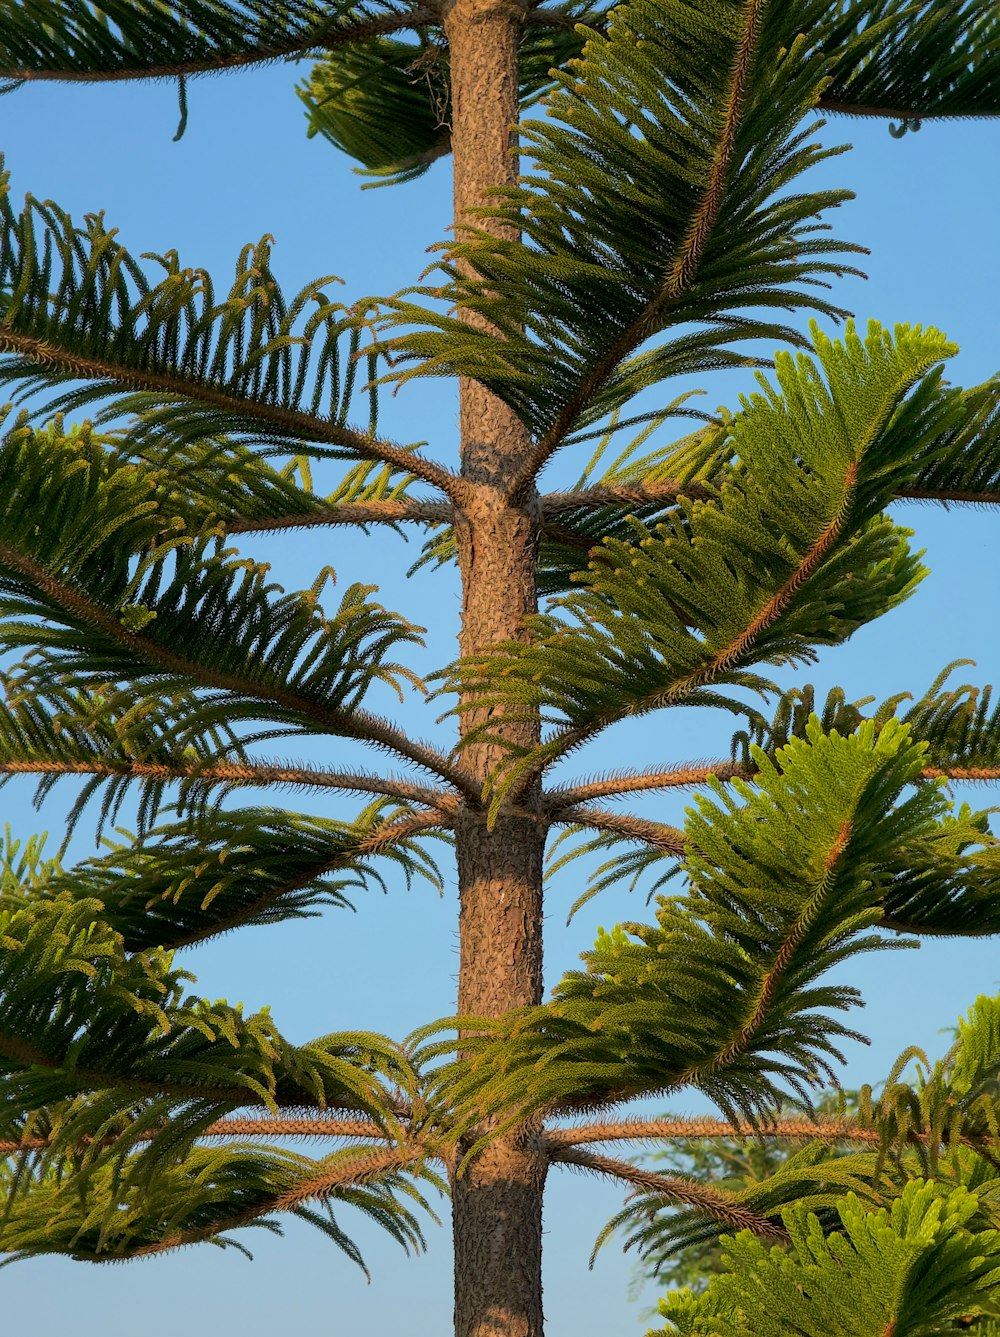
927 207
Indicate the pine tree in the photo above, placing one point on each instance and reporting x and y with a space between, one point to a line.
656 233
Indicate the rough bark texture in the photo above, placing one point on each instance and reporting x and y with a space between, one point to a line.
497 1209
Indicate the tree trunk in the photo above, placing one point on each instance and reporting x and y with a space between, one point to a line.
497 1201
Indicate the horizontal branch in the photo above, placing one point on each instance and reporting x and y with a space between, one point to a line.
359 31
895 924
348 513
683 1191
668 490
659 834
290 422
226 1128
625 494
558 803
14 1049
949 495
261 774
672 1130
631 782
833 1132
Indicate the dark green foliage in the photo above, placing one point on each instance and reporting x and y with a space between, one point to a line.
788 877
912 60
148 1060
346 96
103 1220
165 609
154 40
259 364
911 1270
590 283
942 1124
190 880
675 617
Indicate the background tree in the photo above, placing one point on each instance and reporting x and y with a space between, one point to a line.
654 238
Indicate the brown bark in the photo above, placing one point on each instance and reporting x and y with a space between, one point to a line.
497 1200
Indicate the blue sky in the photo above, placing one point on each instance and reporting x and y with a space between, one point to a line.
927 207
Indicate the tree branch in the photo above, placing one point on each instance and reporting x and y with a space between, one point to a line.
834 1132
321 1185
664 837
668 490
623 494
679 1190
667 1130
358 31
898 113
290 422
685 264
386 834
358 724
360 513
225 1128
258 773
946 495
920 930
537 17
558 802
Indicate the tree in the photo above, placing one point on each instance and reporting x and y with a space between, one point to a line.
658 231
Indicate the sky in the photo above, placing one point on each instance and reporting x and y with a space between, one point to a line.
926 207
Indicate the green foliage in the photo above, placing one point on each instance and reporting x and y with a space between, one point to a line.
950 1106
651 1225
211 1192
146 37
110 589
148 1061
942 1124
793 552
193 879
248 362
959 462
921 58
659 231
911 1270
788 877
347 95
586 287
